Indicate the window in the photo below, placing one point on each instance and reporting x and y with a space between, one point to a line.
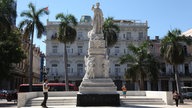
69 69
140 35
163 68
54 49
128 35
123 35
80 50
185 50
186 69
117 69
116 50
69 50
79 69
80 35
54 68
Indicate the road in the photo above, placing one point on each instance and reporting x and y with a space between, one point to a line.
5 104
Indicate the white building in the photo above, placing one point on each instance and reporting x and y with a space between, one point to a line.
131 31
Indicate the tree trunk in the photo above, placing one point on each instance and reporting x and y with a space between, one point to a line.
31 62
65 66
178 83
142 83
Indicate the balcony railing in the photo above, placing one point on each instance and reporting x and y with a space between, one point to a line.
54 54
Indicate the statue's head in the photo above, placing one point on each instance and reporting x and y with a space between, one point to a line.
97 4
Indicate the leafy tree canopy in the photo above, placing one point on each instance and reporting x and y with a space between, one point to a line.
10 51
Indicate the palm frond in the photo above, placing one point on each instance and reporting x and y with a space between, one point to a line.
27 14
71 19
40 27
42 12
127 59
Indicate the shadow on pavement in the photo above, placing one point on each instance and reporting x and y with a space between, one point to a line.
8 104
143 106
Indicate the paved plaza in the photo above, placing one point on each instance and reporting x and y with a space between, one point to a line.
187 104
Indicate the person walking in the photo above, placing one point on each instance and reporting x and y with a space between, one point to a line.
124 90
176 97
45 92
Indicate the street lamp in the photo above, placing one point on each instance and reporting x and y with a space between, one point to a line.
45 72
56 78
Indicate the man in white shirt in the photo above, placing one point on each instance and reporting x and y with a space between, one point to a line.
45 92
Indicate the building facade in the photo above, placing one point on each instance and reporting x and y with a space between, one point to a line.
166 81
131 31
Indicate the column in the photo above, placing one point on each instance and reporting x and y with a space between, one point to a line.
136 86
159 85
170 85
182 83
148 85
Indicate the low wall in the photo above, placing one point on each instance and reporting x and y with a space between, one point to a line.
133 93
59 94
24 97
166 96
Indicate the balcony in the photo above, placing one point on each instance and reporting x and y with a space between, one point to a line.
54 55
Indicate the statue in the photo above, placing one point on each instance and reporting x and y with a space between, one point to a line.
97 19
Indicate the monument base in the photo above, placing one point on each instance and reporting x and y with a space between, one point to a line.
98 99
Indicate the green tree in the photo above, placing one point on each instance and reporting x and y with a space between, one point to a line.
7 13
142 64
172 50
10 51
30 23
67 34
110 31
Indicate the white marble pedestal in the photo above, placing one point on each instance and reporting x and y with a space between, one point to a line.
98 92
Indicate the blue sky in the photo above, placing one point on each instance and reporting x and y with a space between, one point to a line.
162 15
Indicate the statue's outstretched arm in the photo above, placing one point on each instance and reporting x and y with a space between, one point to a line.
93 7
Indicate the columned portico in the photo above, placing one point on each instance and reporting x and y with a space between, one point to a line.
148 85
170 85
159 85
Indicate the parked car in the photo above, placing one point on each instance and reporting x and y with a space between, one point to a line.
189 95
11 95
3 94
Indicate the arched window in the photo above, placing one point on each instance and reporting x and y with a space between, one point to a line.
185 50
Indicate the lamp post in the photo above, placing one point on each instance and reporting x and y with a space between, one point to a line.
56 77
42 56
45 72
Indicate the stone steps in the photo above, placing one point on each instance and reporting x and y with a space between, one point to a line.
141 101
71 101
52 101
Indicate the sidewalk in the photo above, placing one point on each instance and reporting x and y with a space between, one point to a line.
185 105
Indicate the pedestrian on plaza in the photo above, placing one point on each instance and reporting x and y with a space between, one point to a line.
176 97
124 90
45 92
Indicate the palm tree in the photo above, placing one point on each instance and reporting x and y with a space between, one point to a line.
142 64
67 34
7 12
172 50
110 31
30 23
